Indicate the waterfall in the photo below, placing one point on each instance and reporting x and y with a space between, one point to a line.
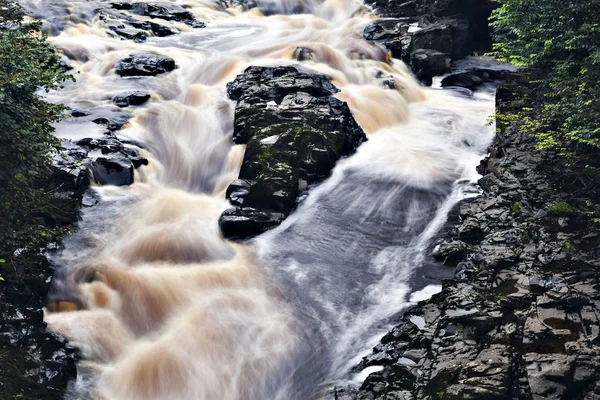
160 305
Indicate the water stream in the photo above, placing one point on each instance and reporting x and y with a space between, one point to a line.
168 309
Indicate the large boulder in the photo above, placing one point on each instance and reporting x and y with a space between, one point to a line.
294 131
428 63
145 64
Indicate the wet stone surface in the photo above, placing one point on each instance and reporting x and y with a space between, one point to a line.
295 131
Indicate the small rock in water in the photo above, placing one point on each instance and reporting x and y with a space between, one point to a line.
146 64
133 98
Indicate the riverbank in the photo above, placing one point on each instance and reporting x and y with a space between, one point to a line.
519 320
34 363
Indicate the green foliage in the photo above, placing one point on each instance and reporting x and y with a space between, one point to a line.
27 64
560 208
561 39
516 207
29 209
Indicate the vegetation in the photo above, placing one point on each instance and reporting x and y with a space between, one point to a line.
27 64
560 40
560 208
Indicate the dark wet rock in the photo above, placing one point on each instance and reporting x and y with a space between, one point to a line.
130 28
114 148
392 34
428 63
69 168
116 171
472 72
452 27
452 252
33 362
136 35
109 160
294 131
446 36
145 64
165 11
241 222
131 98
520 318
466 80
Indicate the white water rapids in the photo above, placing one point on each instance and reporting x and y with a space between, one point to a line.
171 310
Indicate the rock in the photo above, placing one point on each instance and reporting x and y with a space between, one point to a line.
113 165
392 34
428 63
294 131
241 222
69 168
166 11
451 252
472 72
112 171
466 80
131 34
131 98
145 64
446 36
130 28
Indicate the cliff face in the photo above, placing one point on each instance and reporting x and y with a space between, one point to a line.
520 318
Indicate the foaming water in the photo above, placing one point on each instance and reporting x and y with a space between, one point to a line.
160 305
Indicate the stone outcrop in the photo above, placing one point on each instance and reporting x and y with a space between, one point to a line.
520 319
294 131
428 35
165 11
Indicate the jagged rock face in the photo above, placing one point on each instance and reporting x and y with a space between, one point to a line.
295 131
166 11
120 18
147 64
520 318
452 27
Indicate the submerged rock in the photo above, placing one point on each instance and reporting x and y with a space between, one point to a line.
294 131
145 64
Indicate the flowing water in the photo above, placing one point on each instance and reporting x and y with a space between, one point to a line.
168 309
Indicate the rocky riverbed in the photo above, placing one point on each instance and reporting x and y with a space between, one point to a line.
518 321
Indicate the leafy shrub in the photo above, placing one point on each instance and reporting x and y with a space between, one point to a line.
562 40
27 63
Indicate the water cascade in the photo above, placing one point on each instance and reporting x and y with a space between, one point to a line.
159 304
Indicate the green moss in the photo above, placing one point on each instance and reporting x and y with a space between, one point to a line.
560 208
516 207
